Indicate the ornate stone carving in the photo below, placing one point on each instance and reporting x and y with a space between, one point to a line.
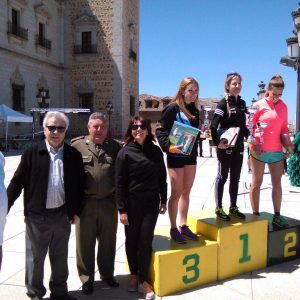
42 12
16 78
85 17
42 83
85 87
18 3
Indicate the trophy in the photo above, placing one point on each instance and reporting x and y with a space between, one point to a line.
251 109
286 143
207 109
261 126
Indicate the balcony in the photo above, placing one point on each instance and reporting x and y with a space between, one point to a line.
41 41
85 49
132 54
17 31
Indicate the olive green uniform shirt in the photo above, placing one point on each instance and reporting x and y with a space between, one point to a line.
99 167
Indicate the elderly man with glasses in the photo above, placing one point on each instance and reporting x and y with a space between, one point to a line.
51 174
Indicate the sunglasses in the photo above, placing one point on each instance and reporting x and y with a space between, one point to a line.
233 74
136 126
59 129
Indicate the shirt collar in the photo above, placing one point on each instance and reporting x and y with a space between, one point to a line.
52 150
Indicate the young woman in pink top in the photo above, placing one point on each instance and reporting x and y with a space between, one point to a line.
269 125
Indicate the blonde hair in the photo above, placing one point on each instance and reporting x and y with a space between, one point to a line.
229 78
277 82
179 99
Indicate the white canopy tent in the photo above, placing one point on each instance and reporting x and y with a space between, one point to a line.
9 115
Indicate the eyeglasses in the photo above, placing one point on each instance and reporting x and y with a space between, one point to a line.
233 74
59 129
137 126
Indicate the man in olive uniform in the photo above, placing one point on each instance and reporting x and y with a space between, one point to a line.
99 218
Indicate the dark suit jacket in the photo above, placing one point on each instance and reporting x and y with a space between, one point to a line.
32 175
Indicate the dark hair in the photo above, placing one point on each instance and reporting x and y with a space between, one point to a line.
128 134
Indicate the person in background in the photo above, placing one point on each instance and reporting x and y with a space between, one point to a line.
210 142
272 112
181 168
51 174
201 139
99 219
3 203
230 112
141 195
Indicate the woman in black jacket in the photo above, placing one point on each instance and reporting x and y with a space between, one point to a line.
141 195
181 168
230 112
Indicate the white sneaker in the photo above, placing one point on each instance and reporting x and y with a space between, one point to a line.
147 290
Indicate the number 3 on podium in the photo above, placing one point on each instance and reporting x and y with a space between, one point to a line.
192 270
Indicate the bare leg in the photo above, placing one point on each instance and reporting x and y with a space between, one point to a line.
249 164
176 176
257 179
189 176
276 171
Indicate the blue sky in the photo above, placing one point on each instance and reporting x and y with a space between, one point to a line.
207 39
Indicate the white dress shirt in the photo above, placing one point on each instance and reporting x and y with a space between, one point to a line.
56 190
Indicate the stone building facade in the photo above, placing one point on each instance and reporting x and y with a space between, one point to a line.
150 107
70 53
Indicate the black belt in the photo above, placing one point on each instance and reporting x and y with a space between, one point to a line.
56 209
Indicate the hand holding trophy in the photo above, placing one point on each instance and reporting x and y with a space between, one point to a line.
251 109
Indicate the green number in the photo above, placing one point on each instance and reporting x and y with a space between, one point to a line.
193 268
291 238
245 257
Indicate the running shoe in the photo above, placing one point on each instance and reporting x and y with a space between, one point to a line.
222 215
187 233
234 212
176 236
280 221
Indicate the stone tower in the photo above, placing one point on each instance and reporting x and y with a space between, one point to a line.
101 57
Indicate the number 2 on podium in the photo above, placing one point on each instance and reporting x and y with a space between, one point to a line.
291 238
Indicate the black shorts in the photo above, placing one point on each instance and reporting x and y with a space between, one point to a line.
174 162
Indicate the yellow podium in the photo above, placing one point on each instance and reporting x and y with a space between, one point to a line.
177 267
242 244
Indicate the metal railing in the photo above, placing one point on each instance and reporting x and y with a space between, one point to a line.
41 41
82 49
17 30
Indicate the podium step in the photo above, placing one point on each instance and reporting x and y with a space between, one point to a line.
283 244
242 244
177 267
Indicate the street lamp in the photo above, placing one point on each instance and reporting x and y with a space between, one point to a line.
293 58
43 98
43 101
109 110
